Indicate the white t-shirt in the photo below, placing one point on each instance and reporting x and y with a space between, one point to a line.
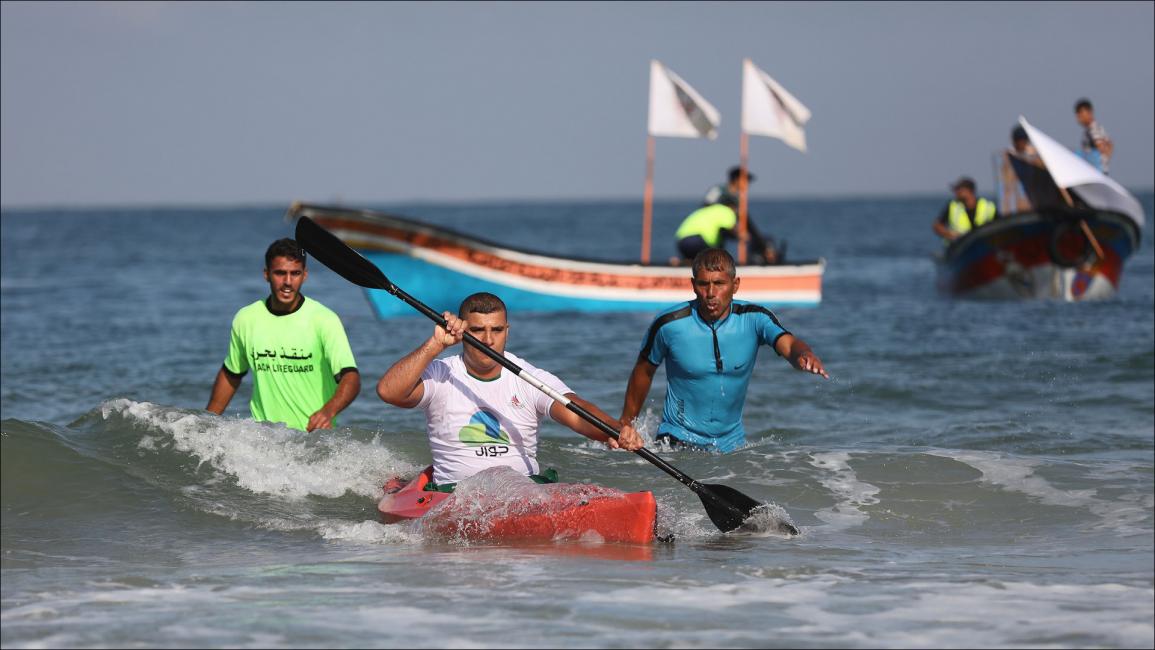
474 424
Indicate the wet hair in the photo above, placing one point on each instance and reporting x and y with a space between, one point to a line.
284 247
714 259
1083 103
481 303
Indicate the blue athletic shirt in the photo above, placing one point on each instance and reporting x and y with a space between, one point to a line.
708 369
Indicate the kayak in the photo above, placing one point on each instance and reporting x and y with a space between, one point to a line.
500 504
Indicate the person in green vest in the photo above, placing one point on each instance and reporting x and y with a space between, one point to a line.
304 373
965 212
717 221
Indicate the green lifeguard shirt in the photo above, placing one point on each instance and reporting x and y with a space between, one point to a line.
296 359
708 222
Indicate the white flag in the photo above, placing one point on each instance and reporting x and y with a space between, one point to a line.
767 109
676 109
1072 172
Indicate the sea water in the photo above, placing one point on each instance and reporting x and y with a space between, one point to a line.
972 474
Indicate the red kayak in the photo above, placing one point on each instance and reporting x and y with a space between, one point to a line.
502 505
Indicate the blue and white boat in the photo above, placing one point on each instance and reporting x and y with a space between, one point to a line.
442 267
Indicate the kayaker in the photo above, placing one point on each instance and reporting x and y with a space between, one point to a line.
304 373
717 221
477 414
710 345
965 212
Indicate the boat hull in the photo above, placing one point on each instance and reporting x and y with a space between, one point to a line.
1039 255
443 267
527 513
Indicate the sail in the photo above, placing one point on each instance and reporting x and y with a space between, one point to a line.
1069 171
676 109
769 110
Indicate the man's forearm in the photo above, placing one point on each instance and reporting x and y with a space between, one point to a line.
224 387
636 390
347 390
399 380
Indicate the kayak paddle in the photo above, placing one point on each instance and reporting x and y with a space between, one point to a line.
728 508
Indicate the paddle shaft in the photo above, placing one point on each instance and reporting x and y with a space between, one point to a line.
1085 228
581 411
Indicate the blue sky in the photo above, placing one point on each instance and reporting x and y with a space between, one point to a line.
263 103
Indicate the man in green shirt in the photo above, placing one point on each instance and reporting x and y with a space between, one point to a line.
304 373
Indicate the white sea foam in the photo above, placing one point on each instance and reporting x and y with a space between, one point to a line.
368 532
267 458
833 612
843 483
1128 516
475 598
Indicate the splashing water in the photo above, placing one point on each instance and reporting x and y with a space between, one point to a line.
768 519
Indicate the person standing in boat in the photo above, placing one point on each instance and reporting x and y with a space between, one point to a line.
965 212
304 373
717 221
1097 145
477 414
710 345
1013 191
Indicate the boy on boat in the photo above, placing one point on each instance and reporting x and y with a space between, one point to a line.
1097 145
710 345
304 373
477 414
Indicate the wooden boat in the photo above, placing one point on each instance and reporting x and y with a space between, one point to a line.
443 266
1072 246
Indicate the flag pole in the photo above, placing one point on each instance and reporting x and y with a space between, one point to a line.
743 184
648 201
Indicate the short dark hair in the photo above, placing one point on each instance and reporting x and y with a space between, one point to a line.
481 303
284 247
736 172
1083 103
964 181
714 259
1019 133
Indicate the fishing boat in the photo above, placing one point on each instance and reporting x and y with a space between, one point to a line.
520 511
1071 245
444 266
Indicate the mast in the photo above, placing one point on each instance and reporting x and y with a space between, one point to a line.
648 201
743 185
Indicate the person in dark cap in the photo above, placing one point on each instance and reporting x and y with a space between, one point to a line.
717 220
727 193
1013 194
965 212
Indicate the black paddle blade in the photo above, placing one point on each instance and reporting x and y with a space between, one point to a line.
730 510
338 256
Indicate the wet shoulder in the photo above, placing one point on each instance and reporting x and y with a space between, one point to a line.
754 313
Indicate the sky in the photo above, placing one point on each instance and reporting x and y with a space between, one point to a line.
182 103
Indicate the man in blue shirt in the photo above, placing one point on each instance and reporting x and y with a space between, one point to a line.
710 345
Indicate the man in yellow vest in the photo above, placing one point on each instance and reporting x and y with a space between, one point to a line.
717 221
965 212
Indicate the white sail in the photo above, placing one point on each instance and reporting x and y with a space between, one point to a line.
676 109
1073 173
769 110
